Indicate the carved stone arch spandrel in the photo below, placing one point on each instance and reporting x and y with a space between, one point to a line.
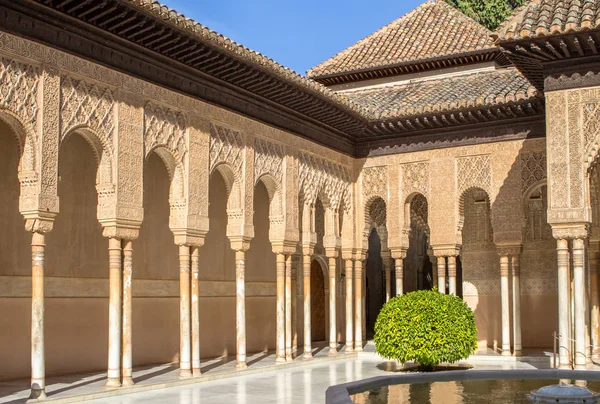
415 179
484 226
474 172
374 182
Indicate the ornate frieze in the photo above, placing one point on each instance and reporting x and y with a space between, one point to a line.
86 104
226 146
19 89
268 159
164 127
415 178
374 182
319 176
533 168
474 172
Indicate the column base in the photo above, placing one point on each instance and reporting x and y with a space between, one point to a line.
196 372
113 382
37 395
280 359
241 365
307 355
289 359
358 347
185 373
349 347
127 381
518 353
506 352
332 352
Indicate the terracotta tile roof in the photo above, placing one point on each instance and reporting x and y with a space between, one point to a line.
541 18
434 29
446 94
239 51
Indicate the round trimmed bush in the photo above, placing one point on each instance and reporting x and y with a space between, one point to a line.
426 327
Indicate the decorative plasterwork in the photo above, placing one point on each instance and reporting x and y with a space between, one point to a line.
419 213
164 127
226 147
474 172
415 179
374 182
377 212
19 89
85 104
268 159
319 177
533 168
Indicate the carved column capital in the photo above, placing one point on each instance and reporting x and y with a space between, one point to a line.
39 222
121 232
570 231
508 250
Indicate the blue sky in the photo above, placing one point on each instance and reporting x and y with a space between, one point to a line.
297 34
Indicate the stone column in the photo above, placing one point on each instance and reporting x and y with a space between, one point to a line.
452 275
516 278
126 352
185 365
364 300
307 337
358 268
38 365
288 308
195 313
280 347
564 305
349 307
332 307
579 295
240 309
294 302
387 268
505 299
441 264
114 313
399 270
594 299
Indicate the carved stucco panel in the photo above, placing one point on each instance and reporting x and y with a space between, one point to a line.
320 177
19 84
226 146
474 171
86 104
415 178
268 159
533 168
557 143
374 182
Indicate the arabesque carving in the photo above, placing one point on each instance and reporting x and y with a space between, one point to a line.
268 159
226 146
533 168
19 84
164 127
324 177
415 178
374 182
85 104
474 172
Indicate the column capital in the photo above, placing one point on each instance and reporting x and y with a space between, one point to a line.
239 243
360 254
347 254
570 231
331 252
446 250
121 231
284 246
39 222
508 250
398 253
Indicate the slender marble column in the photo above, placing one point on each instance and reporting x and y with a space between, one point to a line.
441 263
332 307
288 308
240 306
452 275
387 265
195 313
564 303
579 295
505 299
294 302
594 303
127 354
364 300
38 366
516 281
358 347
114 313
307 337
399 276
185 365
280 349
349 307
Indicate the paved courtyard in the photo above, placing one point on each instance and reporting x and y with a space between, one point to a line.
297 382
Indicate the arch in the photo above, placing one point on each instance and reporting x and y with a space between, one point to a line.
177 188
26 141
375 218
417 267
275 198
103 152
232 183
416 207
461 208
318 303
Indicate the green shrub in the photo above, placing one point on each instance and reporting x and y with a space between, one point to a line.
426 327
